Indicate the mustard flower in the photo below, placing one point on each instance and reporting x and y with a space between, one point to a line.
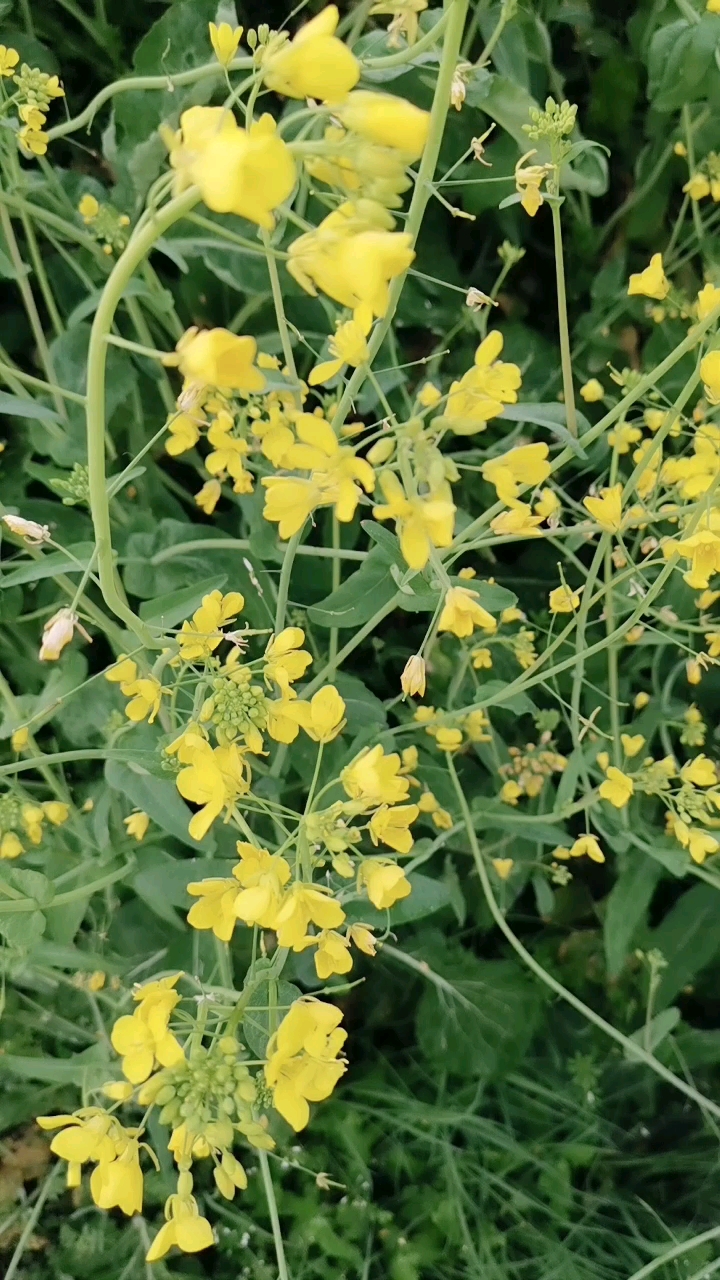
617 788
482 392
526 465
420 522
218 358
201 637
652 282
249 173
390 825
302 1059
348 346
461 613
315 64
225 40
387 120
375 777
606 509
412 680
384 881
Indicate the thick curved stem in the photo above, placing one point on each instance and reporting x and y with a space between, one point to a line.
127 264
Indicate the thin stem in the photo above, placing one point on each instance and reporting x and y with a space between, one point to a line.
565 357
634 1050
280 312
676 1252
30 306
31 1223
139 246
41 276
284 584
336 571
283 1273
49 388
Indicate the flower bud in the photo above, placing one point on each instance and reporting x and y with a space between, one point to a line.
34 533
57 633
412 680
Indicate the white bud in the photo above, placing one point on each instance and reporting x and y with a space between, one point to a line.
34 533
57 632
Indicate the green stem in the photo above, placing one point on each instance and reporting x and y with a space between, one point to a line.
41 276
139 246
677 1251
335 582
454 20
284 583
30 307
280 312
152 353
565 358
243 544
634 1050
507 12
283 1273
32 1222
50 388
407 55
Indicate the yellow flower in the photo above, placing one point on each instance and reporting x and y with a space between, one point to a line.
336 471
412 680
375 777
225 40
461 613
624 436
641 700
632 743
710 374
352 256
118 1183
141 1043
285 660
137 824
213 779
698 843
617 787
652 282
421 523
57 633
564 600
482 392
386 120
32 116
707 300
348 346
33 141
208 497
184 433
481 659
702 549
527 465
201 637
88 208
607 509
262 877
405 18
586 846
302 1059
385 882
701 772
323 717
697 187
290 501
20 738
302 905
448 739
510 792
9 59
592 390
315 64
146 696
391 826
712 6
503 867
518 522
246 173
216 906
184 1228
332 955
10 846
218 358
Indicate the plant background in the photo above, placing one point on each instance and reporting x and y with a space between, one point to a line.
482 1131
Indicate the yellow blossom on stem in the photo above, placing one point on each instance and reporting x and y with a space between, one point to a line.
302 1059
518 522
248 173
701 772
587 846
184 1227
697 187
387 120
526 465
332 954
617 788
141 1042
9 59
208 497
348 346
481 659
315 64
607 509
375 777
652 282
218 358
390 825
215 908
710 374
201 637
412 680
563 599
323 717
213 779
303 905
592 391
385 882
461 613
503 867
136 824
285 660
633 743
352 256
262 877
335 468
482 392
225 40
421 523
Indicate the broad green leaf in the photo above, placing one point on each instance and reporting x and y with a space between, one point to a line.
552 416
157 797
17 407
688 938
50 565
22 929
357 599
161 881
89 1068
651 1036
33 884
170 609
626 906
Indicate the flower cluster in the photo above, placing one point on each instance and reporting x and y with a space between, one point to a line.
34 92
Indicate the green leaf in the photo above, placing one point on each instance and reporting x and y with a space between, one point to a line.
33 884
51 564
361 596
22 929
260 1021
427 897
651 1036
17 407
485 1027
168 610
161 881
627 904
83 1070
157 797
494 814
552 416
688 938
